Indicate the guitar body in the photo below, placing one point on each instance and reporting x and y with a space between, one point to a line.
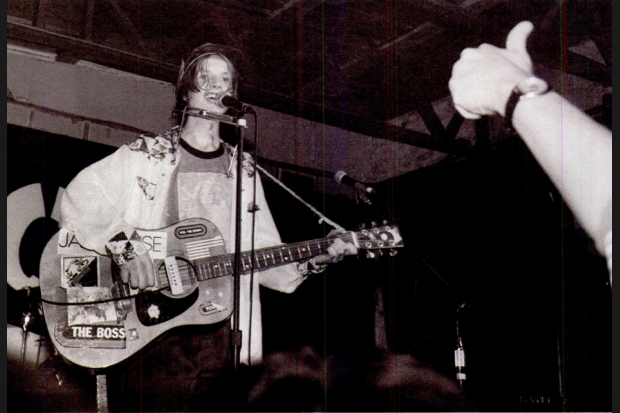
103 334
97 321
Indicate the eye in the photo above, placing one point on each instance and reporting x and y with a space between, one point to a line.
203 79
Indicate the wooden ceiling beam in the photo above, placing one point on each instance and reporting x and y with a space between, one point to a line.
39 17
144 66
85 50
352 123
290 7
130 27
601 16
88 23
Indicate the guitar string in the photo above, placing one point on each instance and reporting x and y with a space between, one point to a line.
293 250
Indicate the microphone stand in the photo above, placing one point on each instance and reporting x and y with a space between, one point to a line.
364 208
241 124
459 353
236 334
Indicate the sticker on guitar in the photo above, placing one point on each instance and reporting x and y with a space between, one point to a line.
155 241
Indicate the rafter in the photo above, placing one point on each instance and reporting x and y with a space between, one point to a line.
364 63
93 52
129 26
88 24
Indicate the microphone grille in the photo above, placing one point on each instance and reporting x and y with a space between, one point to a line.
225 99
339 175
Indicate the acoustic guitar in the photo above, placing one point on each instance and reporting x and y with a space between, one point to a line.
96 321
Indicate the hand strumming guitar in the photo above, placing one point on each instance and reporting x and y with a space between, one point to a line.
139 272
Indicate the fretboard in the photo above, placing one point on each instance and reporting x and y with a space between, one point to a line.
222 265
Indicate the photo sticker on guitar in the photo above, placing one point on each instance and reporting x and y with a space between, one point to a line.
93 311
79 271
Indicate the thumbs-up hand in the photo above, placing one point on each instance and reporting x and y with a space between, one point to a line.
484 78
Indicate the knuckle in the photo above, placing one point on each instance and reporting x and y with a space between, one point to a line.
467 52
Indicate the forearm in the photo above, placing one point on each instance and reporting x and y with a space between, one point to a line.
575 152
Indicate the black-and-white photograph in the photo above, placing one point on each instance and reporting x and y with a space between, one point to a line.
309 205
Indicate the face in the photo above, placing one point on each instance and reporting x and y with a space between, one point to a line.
212 77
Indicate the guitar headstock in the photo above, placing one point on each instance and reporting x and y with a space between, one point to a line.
379 237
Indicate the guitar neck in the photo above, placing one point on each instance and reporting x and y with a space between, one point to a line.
222 265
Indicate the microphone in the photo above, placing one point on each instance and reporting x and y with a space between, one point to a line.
227 100
344 179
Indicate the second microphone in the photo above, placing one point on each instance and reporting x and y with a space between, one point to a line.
342 178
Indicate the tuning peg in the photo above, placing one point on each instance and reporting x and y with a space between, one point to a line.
362 225
393 252
384 222
374 254
373 224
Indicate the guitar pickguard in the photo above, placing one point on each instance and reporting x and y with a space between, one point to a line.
154 308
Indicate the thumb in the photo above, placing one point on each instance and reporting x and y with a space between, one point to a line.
517 38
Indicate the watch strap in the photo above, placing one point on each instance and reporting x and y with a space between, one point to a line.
526 89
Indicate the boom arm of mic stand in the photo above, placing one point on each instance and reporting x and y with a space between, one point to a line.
205 114
363 198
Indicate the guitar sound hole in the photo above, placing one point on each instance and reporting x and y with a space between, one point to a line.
187 276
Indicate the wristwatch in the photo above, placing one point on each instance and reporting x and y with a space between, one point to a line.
526 89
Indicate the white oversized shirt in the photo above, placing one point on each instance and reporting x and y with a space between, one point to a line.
131 189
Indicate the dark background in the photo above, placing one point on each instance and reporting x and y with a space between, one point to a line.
489 235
